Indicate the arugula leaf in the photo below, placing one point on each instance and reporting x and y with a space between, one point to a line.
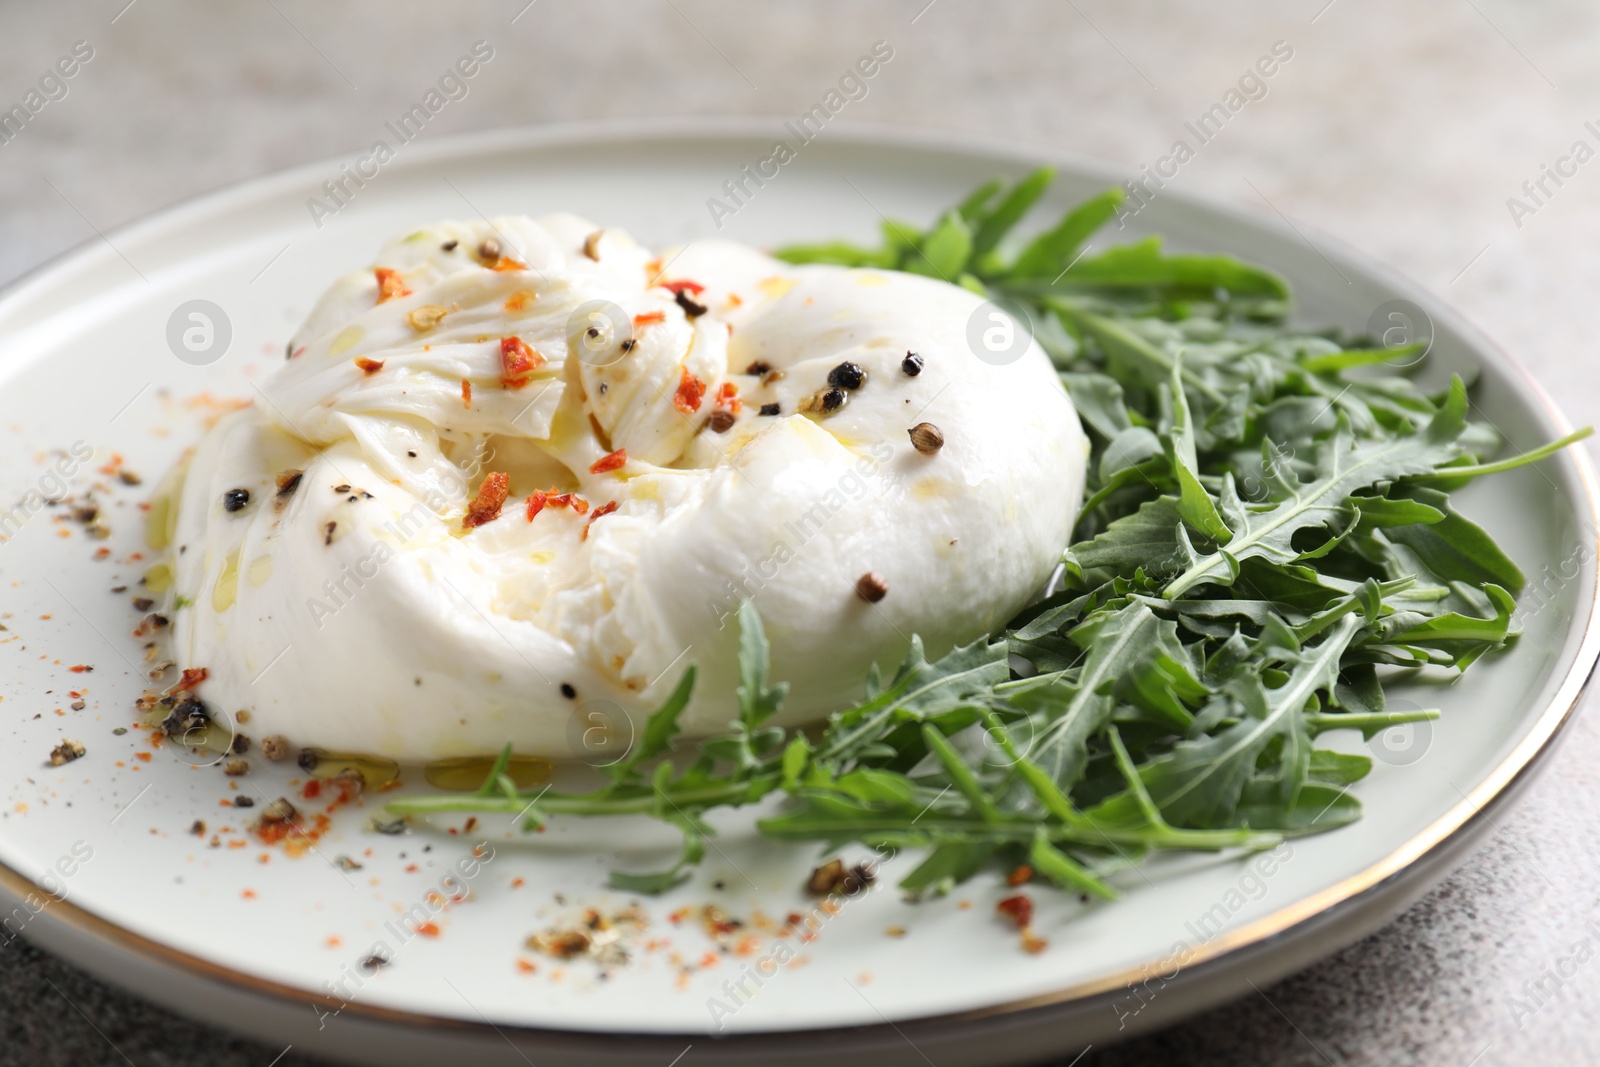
1268 533
1343 467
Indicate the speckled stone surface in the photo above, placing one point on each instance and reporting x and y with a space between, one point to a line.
1400 125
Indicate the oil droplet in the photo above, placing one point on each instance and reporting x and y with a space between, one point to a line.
259 571
776 286
375 772
468 772
158 524
346 340
226 591
158 579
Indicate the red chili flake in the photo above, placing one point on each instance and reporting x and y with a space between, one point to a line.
390 284
691 391
683 286
649 318
506 263
491 498
603 509
728 397
614 461
191 679
466 392
428 930
554 498
80 668
517 361
371 366
1021 876
1019 909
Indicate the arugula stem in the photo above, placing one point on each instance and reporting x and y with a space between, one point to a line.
1450 475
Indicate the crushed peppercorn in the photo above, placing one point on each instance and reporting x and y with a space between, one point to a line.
759 367
288 482
721 421
834 878
489 250
66 752
235 499
769 409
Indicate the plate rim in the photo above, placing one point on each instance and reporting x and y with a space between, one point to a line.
1456 824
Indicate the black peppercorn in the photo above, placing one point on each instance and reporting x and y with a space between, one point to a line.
769 409
687 303
235 499
832 400
912 364
847 375
567 691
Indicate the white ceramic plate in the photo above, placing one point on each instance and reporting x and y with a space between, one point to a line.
253 940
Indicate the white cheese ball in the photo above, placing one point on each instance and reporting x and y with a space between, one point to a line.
358 611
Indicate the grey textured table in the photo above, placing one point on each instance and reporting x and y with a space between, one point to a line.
1403 126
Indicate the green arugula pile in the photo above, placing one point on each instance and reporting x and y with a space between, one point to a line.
1268 527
